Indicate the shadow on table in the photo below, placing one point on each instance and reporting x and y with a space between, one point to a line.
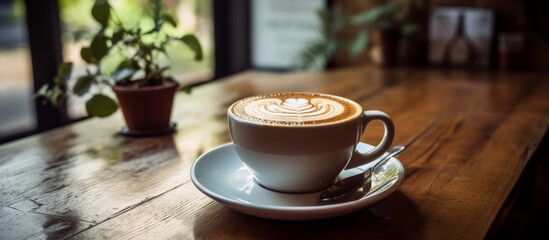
394 217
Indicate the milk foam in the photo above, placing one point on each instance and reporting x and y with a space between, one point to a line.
295 109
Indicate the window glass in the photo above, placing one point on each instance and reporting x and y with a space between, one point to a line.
16 90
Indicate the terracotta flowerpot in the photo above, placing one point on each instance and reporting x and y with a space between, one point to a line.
385 49
146 109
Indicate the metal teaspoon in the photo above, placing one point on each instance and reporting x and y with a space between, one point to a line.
348 185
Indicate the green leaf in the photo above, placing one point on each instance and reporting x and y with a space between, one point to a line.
99 47
43 91
192 42
186 89
374 14
54 95
365 17
64 71
101 106
101 12
169 19
360 42
51 94
63 74
129 63
117 36
86 54
82 85
57 81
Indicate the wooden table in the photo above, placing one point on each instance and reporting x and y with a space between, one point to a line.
470 136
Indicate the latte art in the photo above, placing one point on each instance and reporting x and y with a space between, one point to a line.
295 109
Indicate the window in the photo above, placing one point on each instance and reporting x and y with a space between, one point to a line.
16 89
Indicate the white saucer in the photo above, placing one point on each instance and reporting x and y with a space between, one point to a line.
221 175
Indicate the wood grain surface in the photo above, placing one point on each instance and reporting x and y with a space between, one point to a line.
469 137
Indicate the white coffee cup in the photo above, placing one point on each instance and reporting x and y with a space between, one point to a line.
299 142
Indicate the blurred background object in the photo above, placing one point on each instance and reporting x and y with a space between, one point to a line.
426 26
461 37
510 51
373 32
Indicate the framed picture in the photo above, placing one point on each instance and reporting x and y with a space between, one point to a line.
461 36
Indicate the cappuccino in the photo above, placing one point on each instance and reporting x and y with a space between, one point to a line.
295 108
298 142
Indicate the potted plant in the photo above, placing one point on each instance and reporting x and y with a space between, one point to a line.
378 31
142 87
382 27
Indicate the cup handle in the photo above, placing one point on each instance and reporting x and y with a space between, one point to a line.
360 158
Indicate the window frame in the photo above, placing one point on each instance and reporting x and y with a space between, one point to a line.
44 42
